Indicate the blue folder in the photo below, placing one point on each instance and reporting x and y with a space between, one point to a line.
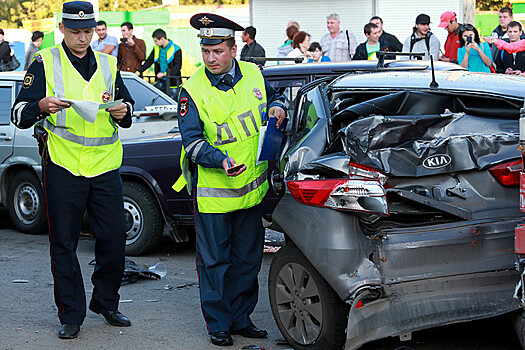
273 140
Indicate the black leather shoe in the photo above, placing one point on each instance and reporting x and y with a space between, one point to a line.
68 331
252 332
221 338
114 318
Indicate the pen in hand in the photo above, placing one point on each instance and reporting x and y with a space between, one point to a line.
228 160
54 93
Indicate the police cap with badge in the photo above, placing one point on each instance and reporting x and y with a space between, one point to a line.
214 29
78 14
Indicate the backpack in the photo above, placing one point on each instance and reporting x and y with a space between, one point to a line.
427 41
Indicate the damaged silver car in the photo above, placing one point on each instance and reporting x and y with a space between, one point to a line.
399 204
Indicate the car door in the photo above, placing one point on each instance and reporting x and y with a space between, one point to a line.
7 129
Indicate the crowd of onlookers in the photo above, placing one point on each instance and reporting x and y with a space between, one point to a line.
503 52
130 51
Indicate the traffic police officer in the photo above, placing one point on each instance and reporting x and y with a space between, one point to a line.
221 109
80 162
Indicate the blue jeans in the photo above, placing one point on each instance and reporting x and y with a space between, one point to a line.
161 85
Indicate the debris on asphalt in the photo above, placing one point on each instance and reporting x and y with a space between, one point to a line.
159 269
252 347
133 271
19 281
168 287
187 285
152 300
270 249
125 301
281 341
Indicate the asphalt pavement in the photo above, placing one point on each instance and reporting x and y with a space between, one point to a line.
165 313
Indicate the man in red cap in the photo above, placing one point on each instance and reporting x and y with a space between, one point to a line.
449 21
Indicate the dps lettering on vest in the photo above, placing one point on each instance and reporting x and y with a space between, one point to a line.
232 120
83 148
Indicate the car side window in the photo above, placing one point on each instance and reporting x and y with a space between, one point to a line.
144 95
288 88
5 100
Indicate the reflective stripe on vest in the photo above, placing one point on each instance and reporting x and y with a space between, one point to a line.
232 192
81 140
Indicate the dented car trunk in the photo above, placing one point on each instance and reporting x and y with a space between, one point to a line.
435 244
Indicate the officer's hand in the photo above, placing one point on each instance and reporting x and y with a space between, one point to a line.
51 105
279 113
118 111
161 75
225 166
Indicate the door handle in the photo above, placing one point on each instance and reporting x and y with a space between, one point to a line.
5 137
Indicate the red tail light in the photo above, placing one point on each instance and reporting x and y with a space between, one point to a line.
313 192
364 195
507 174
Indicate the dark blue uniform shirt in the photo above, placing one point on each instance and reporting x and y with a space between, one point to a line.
192 127
36 90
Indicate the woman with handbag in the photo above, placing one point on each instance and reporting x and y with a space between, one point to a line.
5 50
8 62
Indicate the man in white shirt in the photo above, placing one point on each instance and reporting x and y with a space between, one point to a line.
337 44
422 40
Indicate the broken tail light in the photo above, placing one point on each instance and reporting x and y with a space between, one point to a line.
507 174
366 195
360 170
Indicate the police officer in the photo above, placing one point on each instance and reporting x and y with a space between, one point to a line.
80 162
221 109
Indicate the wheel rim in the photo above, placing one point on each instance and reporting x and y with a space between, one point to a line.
134 220
299 304
27 203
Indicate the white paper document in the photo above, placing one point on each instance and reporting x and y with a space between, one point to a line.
88 110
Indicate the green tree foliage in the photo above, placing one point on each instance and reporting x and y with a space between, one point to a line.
127 5
213 2
491 5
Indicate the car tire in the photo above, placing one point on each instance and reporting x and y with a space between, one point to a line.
518 321
144 221
27 204
308 312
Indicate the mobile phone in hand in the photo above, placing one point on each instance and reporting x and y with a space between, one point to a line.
123 40
469 40
234 168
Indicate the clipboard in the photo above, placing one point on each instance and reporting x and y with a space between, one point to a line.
270 140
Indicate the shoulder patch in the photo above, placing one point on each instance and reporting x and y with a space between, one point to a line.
183 106
28 80
38 58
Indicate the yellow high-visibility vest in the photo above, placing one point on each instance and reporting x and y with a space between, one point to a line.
232 120
84 148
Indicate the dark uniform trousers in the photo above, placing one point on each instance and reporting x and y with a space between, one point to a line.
229 254
67 197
